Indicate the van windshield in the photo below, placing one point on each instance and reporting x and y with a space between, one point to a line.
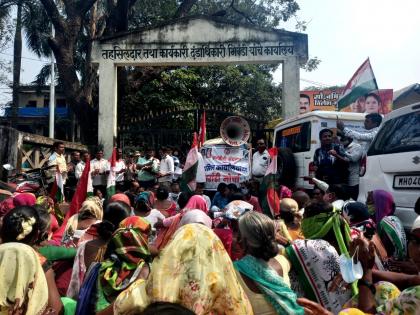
297 137
401 134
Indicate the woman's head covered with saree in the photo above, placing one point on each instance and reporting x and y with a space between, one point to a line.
24 199
126 254
193 270
197 202
391 231
23 285
382 203
322 221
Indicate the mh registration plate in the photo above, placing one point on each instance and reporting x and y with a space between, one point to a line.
407 181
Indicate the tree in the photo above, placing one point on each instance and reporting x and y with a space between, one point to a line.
78 22
6 35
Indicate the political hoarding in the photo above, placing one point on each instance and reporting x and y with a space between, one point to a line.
379 101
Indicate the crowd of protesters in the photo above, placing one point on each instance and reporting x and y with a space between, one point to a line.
151 248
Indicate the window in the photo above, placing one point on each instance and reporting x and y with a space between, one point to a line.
401 134
297 137
31 104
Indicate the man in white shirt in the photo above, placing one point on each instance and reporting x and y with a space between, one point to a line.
260 161
120 169
353 152
99 169
80 167
364 138
166 170
59 160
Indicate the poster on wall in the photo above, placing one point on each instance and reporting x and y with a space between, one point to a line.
225 164
376 102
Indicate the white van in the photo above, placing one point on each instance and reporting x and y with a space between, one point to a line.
393 161
301 135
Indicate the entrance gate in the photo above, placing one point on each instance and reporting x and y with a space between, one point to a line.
199 40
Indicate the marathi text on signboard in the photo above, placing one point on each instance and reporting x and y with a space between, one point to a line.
327 100
225 164
198 51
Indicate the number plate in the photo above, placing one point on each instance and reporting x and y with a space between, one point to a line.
407 181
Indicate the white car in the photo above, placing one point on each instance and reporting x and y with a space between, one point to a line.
393 161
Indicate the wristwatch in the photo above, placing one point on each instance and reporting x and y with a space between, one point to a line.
367 284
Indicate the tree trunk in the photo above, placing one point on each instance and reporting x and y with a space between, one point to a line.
17 61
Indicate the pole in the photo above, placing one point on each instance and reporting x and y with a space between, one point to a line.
52 91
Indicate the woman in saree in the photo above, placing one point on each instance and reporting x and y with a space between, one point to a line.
22 225
23 287
193 270
171 224
93 250
90 213
126 259
357 215
263 273
380 297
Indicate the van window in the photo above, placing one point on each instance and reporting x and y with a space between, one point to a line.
401 134
297 137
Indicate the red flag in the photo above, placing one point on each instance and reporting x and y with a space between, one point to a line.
202 134
76 203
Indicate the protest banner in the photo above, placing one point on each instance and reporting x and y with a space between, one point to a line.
225 164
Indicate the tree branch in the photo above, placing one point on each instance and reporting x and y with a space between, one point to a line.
53 13
85 5
184 8
240 13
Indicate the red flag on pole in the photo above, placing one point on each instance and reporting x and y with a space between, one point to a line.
202 134
76 203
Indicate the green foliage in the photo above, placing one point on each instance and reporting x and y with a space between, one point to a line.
245 90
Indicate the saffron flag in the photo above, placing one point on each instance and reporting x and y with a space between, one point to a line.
189 173
361 83
202 133
110 185
270 187
76 203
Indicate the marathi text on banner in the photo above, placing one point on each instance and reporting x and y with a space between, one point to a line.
225 164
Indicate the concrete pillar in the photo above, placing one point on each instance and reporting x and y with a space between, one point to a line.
291 88
107 124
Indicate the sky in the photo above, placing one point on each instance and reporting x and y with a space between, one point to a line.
342 33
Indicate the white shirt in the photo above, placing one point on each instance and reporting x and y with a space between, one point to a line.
364 138
119 165
353 154
154 216
79 169
260 163
103 167
166 167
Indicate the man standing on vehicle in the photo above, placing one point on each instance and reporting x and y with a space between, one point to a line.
364 138
327 167
352 154
58 159
260 161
